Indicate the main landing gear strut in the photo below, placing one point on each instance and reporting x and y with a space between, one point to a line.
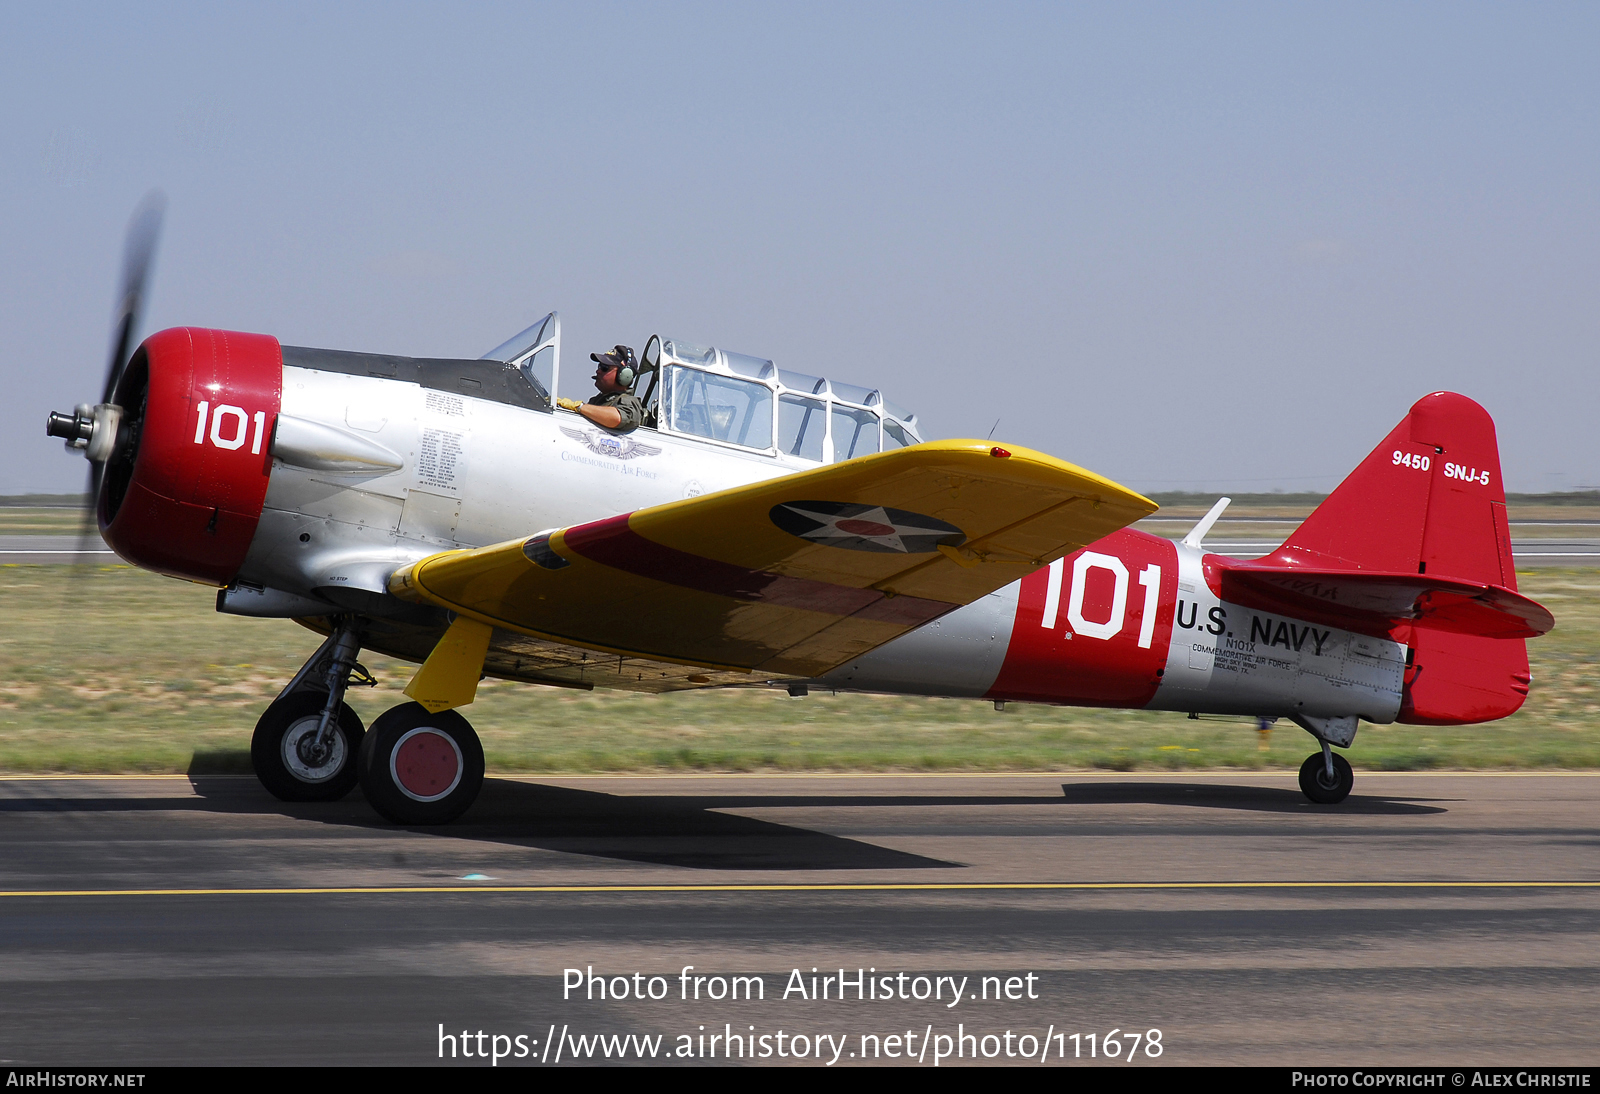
414 767
1325 777
305 744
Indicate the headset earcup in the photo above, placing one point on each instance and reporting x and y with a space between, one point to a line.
625 376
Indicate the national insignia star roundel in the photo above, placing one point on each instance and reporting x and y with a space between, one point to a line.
857 527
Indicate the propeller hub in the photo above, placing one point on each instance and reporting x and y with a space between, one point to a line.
89 429
75 428
103 435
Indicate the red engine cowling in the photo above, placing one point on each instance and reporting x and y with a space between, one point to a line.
184 488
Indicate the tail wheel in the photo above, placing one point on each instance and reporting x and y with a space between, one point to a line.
1315 784
421 768
286 758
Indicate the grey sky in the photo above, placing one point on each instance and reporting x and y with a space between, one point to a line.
1187 246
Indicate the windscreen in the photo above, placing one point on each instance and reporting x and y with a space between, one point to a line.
802 425
855 432
721 408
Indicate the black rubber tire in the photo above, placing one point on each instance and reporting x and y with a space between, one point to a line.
290 717
1314 779
377 766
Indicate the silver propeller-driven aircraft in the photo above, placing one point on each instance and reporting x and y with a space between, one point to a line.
763 527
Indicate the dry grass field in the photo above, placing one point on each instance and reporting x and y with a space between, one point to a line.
40 520
118 670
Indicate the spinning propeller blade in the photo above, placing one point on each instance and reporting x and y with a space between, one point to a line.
94 430
138 253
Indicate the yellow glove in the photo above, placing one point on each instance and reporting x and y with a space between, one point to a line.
568 404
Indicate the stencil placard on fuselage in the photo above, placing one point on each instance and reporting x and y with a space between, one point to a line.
442 446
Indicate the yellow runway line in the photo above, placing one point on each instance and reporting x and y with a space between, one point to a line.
1227 773
979 886
1122 776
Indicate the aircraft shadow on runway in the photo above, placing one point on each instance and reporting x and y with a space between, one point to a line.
1210 794
1258 799
690 830
667 830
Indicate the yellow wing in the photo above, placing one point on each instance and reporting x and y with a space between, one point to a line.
789 577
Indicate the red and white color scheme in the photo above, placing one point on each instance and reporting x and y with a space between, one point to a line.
1395 601
189 503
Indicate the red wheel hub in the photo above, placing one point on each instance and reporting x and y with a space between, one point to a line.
426 764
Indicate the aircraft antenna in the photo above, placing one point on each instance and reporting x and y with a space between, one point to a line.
1198 533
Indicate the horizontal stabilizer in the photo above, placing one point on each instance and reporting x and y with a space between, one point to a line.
1386 605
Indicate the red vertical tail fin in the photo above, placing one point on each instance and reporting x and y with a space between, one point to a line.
1429 500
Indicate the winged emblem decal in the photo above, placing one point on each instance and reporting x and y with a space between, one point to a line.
606 444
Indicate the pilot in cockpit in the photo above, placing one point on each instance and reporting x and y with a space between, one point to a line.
616 407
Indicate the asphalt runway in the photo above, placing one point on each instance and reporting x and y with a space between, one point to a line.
1443 919
56 549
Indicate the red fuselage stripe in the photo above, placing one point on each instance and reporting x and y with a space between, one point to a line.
612 543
